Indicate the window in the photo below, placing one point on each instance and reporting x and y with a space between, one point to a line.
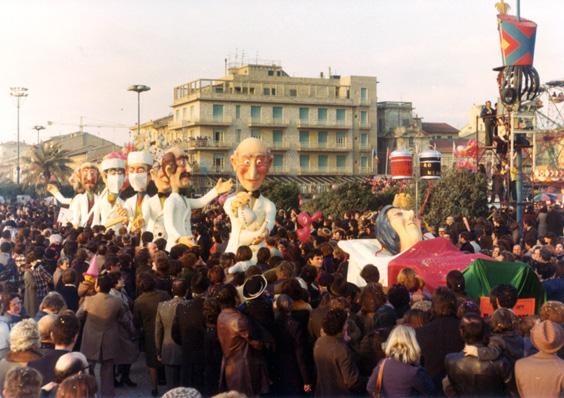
322 161
217 136
322 138
364 140
363 118
340 116
340 139
364 162
177 115
218 161
255 112
255 133
266 91
304 114
237 111
363 93
191 112
278 161
184 114
304 138
277 138
341 161
304 161
270 73
277 113
293 92
217 112
322 114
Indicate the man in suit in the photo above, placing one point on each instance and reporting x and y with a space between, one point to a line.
101 315
178 208
337 373
188 331
138 166
252 215
168 351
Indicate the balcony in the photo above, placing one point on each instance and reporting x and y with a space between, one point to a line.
214 121
327 147
278 145
203 143
322 125
263 122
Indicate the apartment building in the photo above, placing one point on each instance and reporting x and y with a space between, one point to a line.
323 126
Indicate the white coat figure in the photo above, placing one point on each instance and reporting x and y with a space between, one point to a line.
244 233
138 165
177 214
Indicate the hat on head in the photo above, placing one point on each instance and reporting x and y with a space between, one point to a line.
547 337
140 157
93 268
113 160
254 287
324 232
113 163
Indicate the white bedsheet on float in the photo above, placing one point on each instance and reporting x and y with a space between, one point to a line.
362 252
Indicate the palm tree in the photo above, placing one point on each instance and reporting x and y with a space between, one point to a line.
45 162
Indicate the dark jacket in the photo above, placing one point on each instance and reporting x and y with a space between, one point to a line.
292 356
144 317
70 294
243 367
401 380
337 373
437 339
470 377
46 364
188 331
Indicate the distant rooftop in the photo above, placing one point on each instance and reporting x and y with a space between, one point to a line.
438 128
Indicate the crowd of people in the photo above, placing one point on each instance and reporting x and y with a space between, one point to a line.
283 322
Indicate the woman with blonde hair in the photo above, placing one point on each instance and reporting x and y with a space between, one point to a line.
399 374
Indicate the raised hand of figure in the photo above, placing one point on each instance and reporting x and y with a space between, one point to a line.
242 198
52 189
173 174
186 240
223 186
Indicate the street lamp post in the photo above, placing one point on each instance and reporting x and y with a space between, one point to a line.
38 128
138 88
19 93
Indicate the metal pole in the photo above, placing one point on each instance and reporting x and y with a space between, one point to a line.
18 129
518 10
519 188
139 114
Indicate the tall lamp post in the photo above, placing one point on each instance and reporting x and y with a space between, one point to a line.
138 88
19 93
38 128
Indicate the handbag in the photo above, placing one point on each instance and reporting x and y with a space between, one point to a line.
378 387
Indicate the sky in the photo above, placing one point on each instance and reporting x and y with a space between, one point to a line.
77 58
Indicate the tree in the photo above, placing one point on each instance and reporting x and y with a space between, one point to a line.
284 195
352 196
460 193
46 161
